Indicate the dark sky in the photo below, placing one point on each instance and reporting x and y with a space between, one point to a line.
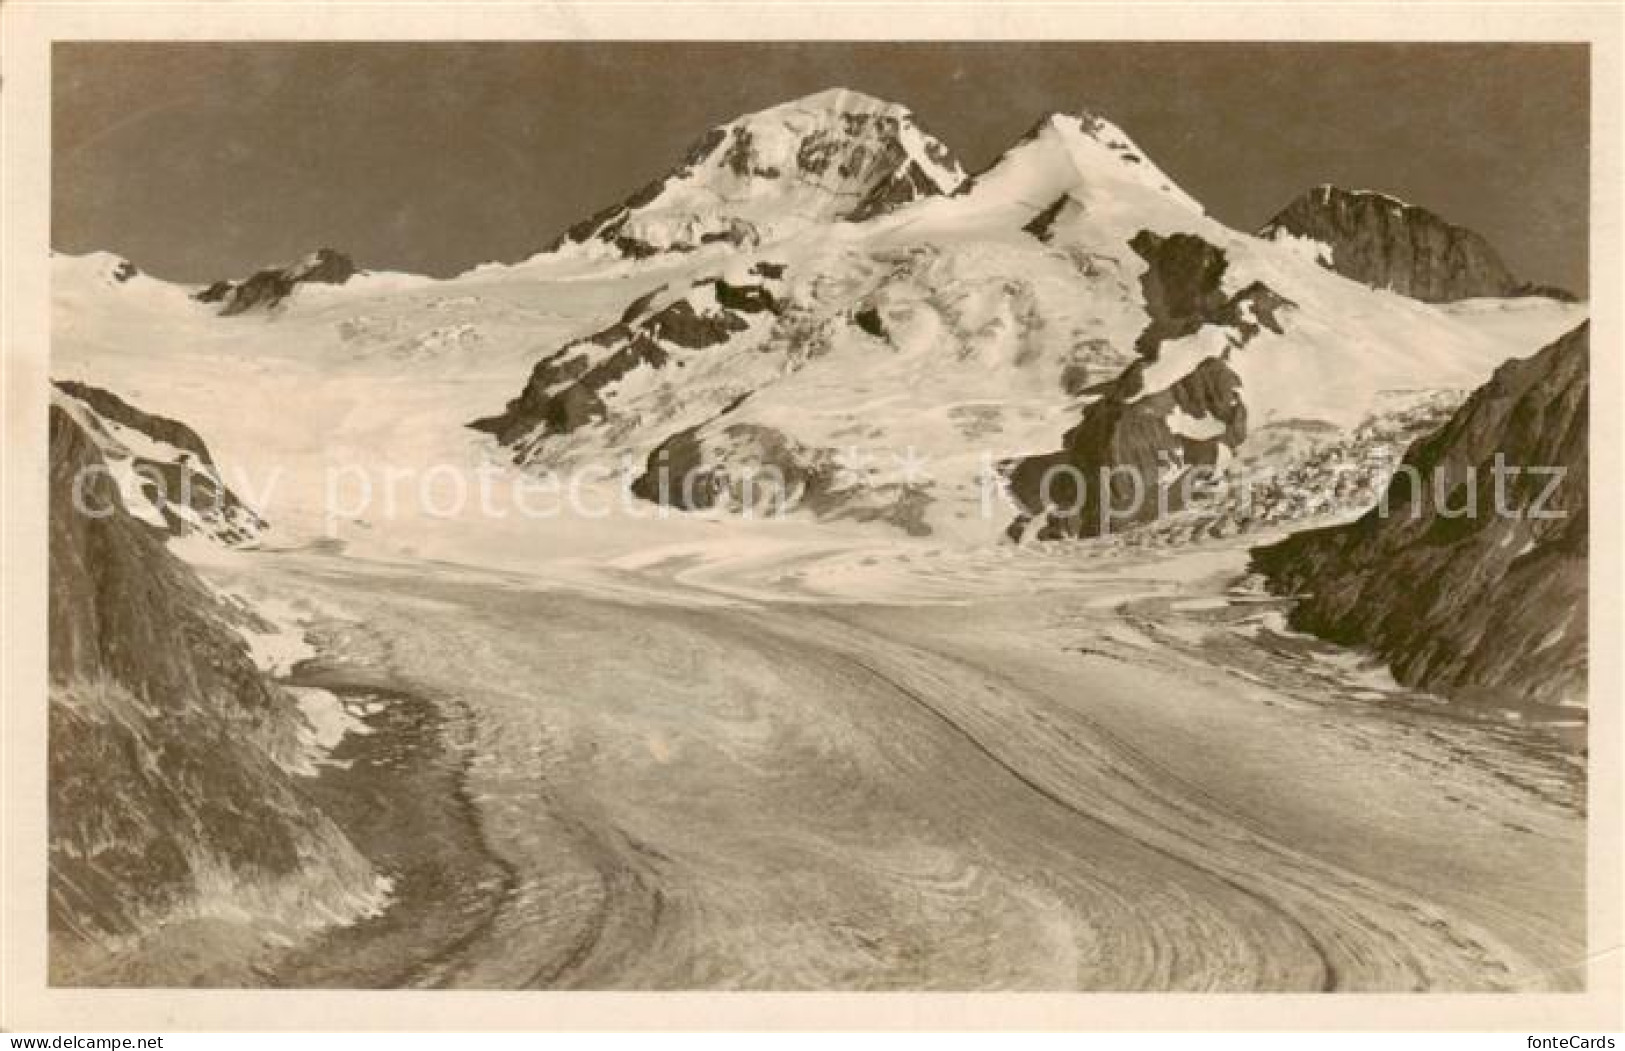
198 161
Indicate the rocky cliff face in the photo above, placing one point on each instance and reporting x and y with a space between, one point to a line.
164 474
267 289
1130 458
1386 243
831 156
1491 603
171 800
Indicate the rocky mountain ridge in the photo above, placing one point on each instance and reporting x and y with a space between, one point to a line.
832 156
165 476
1466 583
1386 243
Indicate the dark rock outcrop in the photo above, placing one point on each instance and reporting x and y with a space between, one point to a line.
563 392
1386 243
686 327
112 407
910 183
868 318
168 747
1182 292
121 606
1042 224
1127 461
1562 295
184 489
750 468
1464 587
267 289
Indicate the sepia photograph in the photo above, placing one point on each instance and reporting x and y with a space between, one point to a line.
1069 516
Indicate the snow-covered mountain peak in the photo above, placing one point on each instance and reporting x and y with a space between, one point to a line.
1084 159
268 289
834 155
